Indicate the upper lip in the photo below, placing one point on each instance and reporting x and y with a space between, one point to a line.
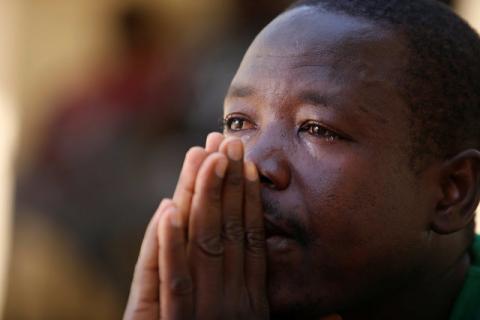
276 229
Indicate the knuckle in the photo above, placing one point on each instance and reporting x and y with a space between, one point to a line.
188 190
181 285
255 238
211 246
233 230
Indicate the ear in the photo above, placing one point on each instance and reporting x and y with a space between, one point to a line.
460 184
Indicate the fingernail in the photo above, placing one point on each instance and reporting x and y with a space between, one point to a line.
250 171
221 167
234 150
174 216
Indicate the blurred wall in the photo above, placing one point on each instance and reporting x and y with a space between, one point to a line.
8 129
61 40
470 11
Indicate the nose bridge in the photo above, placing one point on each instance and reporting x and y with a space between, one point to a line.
269 151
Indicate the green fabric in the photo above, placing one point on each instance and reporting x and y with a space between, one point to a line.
467 305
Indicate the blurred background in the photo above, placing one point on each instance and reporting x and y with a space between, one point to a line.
99 100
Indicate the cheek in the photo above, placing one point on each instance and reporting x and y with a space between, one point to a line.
359 211
337 184
356 206
342 209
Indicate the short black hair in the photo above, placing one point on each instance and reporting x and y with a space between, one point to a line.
442 83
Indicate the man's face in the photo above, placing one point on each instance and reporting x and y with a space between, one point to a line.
316 104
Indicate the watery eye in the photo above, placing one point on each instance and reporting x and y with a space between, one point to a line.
237 124
320 131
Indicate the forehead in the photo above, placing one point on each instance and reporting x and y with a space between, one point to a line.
337 55
311 35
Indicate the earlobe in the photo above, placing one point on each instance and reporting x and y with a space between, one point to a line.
461 191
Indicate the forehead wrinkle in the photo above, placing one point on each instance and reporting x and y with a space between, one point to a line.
340 57
314 91
269 52
240 91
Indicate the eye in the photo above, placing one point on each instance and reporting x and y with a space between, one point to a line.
236 123
318 130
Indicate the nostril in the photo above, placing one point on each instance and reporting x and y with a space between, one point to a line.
273 168
266 181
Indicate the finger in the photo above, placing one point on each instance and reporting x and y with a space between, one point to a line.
176 288
186 182
255 253
144 292
232 212
193 160
214 139
205 248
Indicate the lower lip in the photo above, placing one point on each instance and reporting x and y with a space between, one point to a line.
278 243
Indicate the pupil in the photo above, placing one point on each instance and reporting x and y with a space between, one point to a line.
237 124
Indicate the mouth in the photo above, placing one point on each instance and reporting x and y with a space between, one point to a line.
280 240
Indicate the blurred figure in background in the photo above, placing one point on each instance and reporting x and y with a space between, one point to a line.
9 128
219 56
102 169
8 141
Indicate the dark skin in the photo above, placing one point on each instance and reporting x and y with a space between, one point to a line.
351 229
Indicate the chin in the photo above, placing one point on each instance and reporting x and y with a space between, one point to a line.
290 297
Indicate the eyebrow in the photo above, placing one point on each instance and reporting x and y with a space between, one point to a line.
240 91
312 97
318 99
309 96
315 98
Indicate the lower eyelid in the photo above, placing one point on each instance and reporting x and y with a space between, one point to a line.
246 122
332 135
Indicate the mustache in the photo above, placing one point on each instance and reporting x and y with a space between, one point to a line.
274 211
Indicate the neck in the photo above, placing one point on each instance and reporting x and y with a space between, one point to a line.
430 299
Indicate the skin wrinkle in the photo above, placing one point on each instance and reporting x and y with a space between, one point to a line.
367 77
240 92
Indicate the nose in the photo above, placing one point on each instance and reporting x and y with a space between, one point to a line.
272 163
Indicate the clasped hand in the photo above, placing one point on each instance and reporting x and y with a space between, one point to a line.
203 255
204 252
